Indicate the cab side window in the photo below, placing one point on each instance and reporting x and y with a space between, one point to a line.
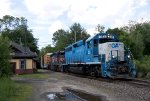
89 44
95 42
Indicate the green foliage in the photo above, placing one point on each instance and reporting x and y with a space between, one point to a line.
7 89
117 31
62 38
139 38
34 76
47 49
16 30
144 29
137 45
143 66
4 57
77 30
11 91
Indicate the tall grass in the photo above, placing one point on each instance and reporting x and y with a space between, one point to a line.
11 91
143 66
7 89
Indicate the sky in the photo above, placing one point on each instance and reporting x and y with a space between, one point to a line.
47 16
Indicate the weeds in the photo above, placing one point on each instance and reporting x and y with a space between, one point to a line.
143 66
12 91
34 76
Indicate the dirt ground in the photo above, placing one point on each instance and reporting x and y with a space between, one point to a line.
57 82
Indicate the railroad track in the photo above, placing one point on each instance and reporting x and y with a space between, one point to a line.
93 78
138 82
145 83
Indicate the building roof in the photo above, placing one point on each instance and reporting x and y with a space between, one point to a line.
20 51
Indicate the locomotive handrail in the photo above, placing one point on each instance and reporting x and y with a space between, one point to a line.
132 57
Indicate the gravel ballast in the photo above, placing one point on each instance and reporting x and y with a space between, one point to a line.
113 91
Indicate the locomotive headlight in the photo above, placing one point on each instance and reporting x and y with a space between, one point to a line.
113 56
129 56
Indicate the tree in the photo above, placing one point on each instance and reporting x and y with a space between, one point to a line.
77 32
47 49
16 29
135 38
100 28
116 31
137 45
62 38
144 30
5 69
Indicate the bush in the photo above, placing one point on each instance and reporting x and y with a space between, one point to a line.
12 91
7 89
5 69
143 66
35 70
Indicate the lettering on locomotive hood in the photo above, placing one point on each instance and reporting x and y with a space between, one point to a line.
114 45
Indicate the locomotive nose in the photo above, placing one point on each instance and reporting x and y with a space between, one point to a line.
112 50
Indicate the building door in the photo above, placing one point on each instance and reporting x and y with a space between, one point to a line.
13 67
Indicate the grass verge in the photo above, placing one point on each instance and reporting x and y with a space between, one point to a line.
12 91
34 76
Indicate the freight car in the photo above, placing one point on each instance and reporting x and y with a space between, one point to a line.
100 55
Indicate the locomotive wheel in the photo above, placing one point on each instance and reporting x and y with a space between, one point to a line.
92 73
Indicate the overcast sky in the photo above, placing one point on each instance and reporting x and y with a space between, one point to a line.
46 16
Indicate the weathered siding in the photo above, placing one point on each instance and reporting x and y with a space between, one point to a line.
29 64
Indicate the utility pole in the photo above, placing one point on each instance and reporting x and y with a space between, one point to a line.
25 31
75 36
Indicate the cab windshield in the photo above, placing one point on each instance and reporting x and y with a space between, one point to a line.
104 40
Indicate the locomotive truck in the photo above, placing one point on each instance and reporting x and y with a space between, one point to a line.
100 55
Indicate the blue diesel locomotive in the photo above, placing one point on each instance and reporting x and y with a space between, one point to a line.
100 55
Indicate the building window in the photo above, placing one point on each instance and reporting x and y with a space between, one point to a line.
22 64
